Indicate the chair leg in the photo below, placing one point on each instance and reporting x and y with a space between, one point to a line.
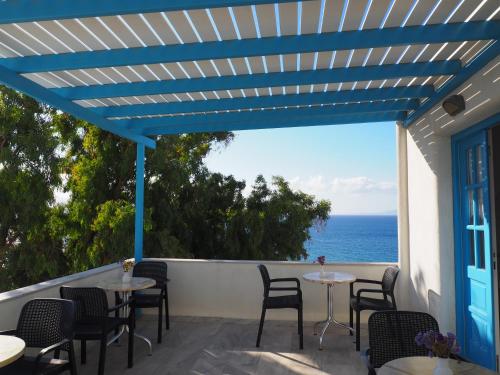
72 361
160 320
350 319
261 326
102 355
301 328
131 325
83 351
167 314
358 318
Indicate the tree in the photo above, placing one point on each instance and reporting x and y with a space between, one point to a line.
189 210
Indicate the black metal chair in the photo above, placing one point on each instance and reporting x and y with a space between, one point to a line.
392 335
293 301
358 303
48 324
93 321
157 271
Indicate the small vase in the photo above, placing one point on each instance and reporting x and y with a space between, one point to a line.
442 367
127 276
322 271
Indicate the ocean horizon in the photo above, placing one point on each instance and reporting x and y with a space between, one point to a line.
355 238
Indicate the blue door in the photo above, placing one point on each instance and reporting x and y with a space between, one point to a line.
474 263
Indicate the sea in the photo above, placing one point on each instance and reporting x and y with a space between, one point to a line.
355 239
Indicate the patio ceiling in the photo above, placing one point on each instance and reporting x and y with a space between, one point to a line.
145 68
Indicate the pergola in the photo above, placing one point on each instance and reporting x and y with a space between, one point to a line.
140 69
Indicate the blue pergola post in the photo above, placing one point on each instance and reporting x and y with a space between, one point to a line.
139 201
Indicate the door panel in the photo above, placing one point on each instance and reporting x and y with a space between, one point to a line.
475 320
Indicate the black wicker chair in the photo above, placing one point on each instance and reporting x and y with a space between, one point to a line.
392 335
48 324
158 271
93 321
293 301
359 303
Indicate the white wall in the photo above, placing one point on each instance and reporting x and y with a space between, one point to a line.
233 289
210 288
12 302
430 197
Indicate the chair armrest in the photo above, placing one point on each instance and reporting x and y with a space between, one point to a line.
119 306
10 332
366 281
290 288
49 349
286 279
358 293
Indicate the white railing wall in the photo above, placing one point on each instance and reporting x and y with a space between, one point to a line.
211 288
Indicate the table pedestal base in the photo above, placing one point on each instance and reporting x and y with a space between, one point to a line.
125 312
330 317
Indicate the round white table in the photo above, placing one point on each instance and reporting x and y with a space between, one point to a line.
426 365
125 288
11 349
329 279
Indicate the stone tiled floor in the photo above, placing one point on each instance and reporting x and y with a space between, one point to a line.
227 347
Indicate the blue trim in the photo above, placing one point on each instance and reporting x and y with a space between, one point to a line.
484 124
336 41
44 95
45 10
345 96
275 124
269 116
465 73
139 202
308 77
328 97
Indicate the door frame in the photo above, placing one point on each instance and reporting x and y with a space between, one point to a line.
484 125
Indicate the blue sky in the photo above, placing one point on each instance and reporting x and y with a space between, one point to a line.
354 166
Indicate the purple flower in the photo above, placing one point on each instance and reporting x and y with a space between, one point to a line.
438 344
321 260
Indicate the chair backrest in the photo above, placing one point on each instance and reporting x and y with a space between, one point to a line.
152 269
90 302
392 335
389 279
46 321
266 280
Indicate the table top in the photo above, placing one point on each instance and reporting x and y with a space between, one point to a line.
426 365
329 277
135 283
11 349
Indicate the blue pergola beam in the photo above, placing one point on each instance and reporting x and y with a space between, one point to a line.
28 87
291 122
269 116
250 81
139 202
345 40
45 10
328 97
468 71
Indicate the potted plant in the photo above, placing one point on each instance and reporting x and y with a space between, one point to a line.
439 345
127 265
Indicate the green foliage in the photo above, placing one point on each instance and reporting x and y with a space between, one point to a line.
189 210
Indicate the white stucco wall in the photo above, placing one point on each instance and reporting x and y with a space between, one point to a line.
431 282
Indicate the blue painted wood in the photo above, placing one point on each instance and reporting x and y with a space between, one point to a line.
139 202
473 256
465 73
287 122
44 95
269 116
328 97
346 40
262 80
44 10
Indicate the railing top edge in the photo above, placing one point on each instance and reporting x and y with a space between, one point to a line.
30 289
274 262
